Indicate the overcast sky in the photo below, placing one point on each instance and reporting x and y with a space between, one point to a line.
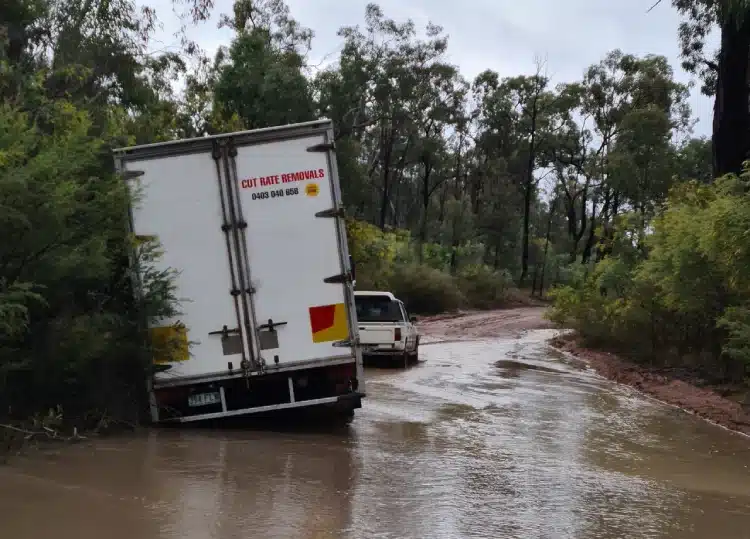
503 35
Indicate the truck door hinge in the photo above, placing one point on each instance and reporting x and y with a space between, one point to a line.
339 279
224 331
338 213
271 325
323 147
231 148
160 368
132 174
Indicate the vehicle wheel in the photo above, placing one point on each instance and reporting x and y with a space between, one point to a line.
415 355
406 360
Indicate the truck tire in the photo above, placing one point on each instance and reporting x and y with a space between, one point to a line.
347 415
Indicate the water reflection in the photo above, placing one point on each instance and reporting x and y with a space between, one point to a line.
229 484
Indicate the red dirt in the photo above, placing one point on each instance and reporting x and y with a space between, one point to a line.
702 402
482 324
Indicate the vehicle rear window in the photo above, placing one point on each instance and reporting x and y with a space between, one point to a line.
377 309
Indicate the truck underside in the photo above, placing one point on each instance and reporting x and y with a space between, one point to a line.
333 386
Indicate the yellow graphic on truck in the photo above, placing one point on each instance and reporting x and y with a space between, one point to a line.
312 189
169 344
329 323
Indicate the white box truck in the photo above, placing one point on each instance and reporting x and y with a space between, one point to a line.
253 224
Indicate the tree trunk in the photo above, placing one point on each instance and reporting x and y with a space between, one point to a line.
528 194
386 197
526 220
591 240
425 206
731 124
546 244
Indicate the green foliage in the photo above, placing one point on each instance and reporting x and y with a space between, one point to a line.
484 287
15 300
70 324
373 252
257 73
736 322
389 261
426 290
688 296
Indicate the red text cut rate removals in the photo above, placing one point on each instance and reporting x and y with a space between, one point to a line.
268 181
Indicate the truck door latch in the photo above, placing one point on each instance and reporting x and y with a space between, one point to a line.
271 325
224 332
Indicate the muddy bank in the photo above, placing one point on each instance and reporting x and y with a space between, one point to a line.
701 401
485 324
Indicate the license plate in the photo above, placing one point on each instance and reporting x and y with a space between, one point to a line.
204 399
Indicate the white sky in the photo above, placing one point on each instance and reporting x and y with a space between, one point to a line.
503 35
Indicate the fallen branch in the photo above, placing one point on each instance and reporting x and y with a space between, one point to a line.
45 431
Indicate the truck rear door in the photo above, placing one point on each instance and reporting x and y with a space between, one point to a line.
296 252
179 204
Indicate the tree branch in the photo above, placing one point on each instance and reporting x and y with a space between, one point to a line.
649 10
45 431
711 65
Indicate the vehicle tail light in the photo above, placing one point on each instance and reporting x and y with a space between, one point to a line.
397 334
169 396
341 373
342 376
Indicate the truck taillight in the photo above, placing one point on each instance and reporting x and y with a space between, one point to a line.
397 334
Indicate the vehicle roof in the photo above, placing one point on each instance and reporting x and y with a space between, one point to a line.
388 295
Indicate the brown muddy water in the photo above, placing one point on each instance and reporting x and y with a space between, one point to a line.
486 439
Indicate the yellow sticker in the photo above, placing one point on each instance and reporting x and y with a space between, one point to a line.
169 344
312 189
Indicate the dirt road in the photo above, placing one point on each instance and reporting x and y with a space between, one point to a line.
485 324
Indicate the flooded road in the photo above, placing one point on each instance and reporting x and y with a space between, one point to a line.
495 439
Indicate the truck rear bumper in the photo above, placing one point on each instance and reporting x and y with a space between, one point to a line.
383 352
337 386
350 400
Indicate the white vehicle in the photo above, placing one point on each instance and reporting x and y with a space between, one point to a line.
385 327
252 222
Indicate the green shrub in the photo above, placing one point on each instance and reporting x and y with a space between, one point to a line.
736 322
484 287
387 260
69 323
426 290
373 252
